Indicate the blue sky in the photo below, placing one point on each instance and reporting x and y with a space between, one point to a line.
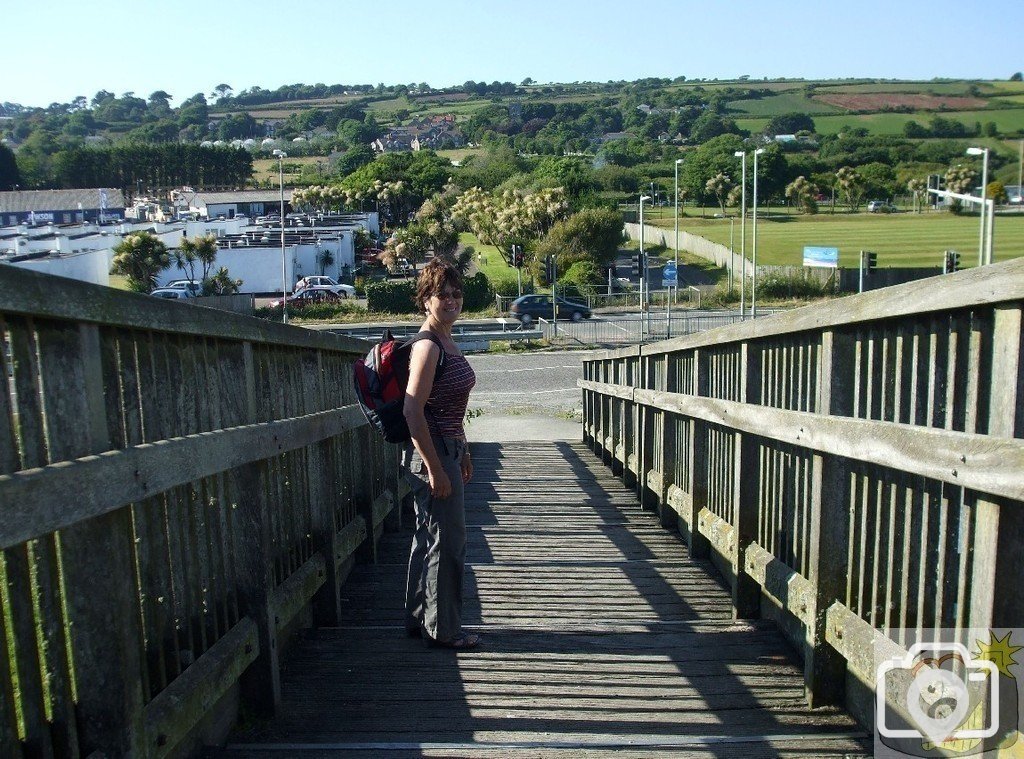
60 49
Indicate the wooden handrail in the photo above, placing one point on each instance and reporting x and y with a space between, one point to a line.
179 486
855 468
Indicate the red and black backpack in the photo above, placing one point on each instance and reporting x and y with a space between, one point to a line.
380 381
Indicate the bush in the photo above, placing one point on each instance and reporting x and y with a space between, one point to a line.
781 287
477 292
584 277
395 297
324 310
508 288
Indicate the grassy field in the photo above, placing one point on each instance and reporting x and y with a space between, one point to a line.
1006 120
937 88
786 102
266 168
489 260
904 239
460 154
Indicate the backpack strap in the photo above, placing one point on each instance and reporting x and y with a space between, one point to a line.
428 335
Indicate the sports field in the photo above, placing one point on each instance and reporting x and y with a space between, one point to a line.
903 239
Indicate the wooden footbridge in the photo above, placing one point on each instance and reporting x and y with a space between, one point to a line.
203 544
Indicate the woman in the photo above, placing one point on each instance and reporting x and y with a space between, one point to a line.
439 462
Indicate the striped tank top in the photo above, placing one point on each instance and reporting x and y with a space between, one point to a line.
449 397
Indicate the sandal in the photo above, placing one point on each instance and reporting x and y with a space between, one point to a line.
462 641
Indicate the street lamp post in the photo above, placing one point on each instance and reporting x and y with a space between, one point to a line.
644 294
742 155
281 155
983 152
753 257
676 203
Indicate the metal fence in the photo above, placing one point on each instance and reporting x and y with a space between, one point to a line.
610 331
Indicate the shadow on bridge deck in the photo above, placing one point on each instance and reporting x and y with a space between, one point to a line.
601 637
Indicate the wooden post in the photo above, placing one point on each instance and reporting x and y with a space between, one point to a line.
261 683
666 514
97 560
327 600
698 544
997 571
829 534
746 593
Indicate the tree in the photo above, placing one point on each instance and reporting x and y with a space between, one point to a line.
512 217
719 186
802 192
9 176
919 188
1016 77
789 123
324 257
221 283
851 185
140 256
199 250
996 190
959 179
221 92
592 235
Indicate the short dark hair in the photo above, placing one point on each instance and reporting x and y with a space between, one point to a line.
435 275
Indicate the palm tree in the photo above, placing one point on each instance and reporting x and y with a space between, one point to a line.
325 258
140 257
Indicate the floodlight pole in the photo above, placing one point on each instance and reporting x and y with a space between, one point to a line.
742 155
753 286
676 204
983 152
281 155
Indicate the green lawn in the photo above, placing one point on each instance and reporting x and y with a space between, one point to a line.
489 260
903 239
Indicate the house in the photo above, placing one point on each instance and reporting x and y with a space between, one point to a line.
428 132
61 206
250 203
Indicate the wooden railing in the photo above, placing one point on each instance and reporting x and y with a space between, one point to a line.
856 469
180 488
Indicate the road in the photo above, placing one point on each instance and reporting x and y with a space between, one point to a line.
532 383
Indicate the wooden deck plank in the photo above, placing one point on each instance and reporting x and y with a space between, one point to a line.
601 637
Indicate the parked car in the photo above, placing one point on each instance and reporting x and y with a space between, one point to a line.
307 296
172 293
342 291
194 289
881 206
530 307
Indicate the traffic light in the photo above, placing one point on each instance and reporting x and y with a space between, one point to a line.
952 262
634 262
870 260
517 256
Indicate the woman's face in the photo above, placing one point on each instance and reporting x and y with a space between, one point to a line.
446 305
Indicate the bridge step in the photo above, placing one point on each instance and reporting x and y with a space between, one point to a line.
601 636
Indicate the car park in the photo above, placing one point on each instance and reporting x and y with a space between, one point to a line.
307 296
171 293
530 307
194 289
342 291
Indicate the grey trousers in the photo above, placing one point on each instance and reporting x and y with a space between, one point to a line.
433 596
